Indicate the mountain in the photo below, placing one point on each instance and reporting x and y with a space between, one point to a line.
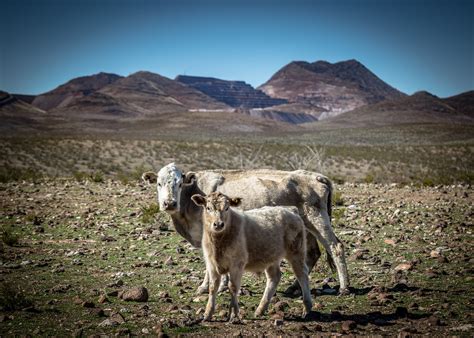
236 94
72 90
148 90
419 108
336 88
463 103
15 113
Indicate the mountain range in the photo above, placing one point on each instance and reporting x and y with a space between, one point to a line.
342 94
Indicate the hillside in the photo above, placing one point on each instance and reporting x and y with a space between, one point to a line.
336 88
16 114
419 108
73 90
236 94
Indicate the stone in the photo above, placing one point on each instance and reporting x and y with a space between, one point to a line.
136 294
403 267
278 322
348 325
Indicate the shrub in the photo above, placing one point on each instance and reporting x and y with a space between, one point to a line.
148 212
12 299
337 199
9 237
369 178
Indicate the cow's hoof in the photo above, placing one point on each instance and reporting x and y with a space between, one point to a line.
235 320
202 290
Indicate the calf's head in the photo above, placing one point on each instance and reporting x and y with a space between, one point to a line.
169 184
216 213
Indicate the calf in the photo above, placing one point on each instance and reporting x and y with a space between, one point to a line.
256 240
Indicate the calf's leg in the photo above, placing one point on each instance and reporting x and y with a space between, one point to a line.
215 279
297 262
322 229
312 256
273 275
204 287
235 277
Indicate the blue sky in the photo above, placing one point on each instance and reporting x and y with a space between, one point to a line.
412 45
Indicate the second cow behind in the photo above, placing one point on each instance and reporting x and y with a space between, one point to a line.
255 240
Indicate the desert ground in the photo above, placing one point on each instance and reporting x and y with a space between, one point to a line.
79 231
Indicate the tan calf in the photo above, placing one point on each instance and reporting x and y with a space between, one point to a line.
256 240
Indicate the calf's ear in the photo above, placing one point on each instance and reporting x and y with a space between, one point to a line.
149 177
189 178
235 202
199 200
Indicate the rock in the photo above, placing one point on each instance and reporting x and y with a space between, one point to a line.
88 304
280 306
113 293
403 267
348 325
163 294
278 322
117 317
317 328
390 242
463 328
136 294
145 331
169 261
102 299
434 321
108 323
401 312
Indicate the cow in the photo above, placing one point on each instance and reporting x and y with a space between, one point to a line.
309 192
255 240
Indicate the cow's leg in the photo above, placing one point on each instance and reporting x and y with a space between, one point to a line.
204 287
235 277
224 283
300 269
322 229
312 256
273 275
215 279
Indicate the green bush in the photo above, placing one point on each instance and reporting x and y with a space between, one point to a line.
12 299
369 178
148 213
9 237
337 199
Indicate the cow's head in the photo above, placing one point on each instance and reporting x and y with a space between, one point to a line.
169 184
216 214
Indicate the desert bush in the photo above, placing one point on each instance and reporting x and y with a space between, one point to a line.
337 198
369 178
337 214
12 299
148 213
9 237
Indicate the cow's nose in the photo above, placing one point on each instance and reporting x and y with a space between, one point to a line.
170 205
218 225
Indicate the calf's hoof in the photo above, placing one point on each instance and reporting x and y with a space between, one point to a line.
259 312
235 320
222 288
207 318
344 292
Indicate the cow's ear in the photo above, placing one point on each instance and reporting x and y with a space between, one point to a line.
149 177
189 178
235 202
199 200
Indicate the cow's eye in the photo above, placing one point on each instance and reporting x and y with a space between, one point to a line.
226 208
159 184
208 209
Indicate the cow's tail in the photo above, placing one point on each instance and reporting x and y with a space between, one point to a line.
326 181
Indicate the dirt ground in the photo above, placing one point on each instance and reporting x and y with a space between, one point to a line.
69 249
